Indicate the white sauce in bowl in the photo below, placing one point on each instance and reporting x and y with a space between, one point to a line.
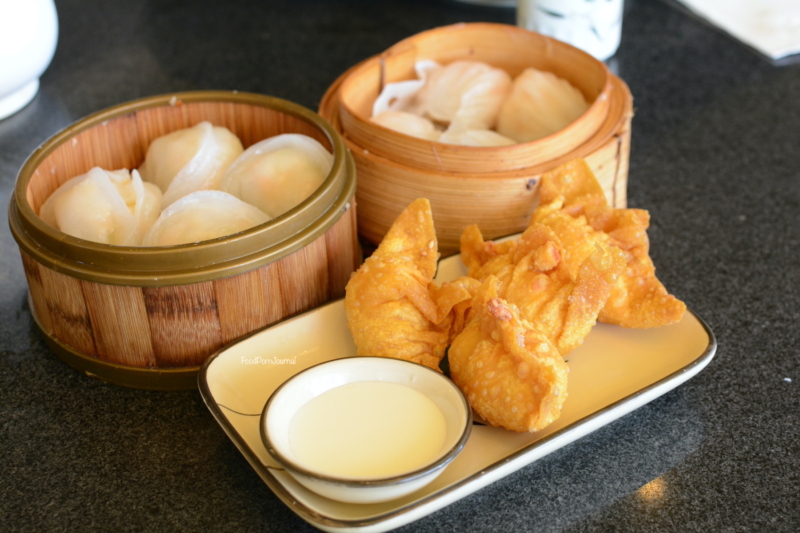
367 429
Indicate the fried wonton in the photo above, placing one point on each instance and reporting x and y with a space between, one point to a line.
393 308
454 300
510 372
573 206
575 183
535 276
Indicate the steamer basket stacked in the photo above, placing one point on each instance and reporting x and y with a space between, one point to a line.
494 187
149 317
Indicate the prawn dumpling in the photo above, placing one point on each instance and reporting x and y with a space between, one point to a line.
408 123
201 216
540 104
400 95
110 207
474 137
278 173
146 211
143 199
189 160
466 93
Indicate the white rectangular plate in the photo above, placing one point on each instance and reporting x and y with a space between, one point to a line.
615 371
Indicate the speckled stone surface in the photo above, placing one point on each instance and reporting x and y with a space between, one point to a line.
715 159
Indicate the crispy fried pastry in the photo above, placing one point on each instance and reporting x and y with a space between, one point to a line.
574 207
639 299
575 182
510 372
393 308
535 277
454 300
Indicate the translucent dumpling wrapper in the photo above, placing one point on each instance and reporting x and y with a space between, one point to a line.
110 207
278 173
201 216
466 93
539 105
408 123
466 137
189 160
399 96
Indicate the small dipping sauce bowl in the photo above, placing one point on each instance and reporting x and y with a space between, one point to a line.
284 413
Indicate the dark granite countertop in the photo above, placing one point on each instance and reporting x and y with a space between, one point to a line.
715 158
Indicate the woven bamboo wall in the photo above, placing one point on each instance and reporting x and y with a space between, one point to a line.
179 326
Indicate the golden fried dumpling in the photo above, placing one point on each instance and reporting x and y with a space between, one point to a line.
511 373
535 277
574 207
390 309
574 181
475 252
639 299
454 300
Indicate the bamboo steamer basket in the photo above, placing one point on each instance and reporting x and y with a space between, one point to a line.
502 200
149 317
510 48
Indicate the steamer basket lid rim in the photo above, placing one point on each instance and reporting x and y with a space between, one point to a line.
191 262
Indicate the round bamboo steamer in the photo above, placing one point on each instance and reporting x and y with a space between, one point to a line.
149 317
500 202
510 48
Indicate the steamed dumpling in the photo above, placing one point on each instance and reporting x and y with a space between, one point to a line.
474 137
201 216
278 173
464 96
539 105
466 93
408 123
189 160
400 95
110 207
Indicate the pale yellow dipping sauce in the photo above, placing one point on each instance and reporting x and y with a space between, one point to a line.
367 429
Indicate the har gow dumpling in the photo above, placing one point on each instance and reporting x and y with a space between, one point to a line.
400 95
539 105
464 96
466 93
466 137
147 210
189 160
278 173
110 207
408 123
201 216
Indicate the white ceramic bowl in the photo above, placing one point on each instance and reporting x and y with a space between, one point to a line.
310 383
28 35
